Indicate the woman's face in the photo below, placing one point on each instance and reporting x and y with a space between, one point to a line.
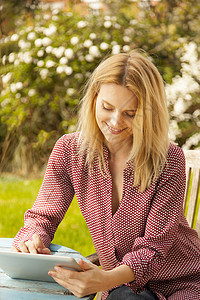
116 106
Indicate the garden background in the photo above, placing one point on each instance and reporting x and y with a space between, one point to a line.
46 57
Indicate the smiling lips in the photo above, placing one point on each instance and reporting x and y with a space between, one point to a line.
114 131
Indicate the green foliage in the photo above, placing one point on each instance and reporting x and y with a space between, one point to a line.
47 61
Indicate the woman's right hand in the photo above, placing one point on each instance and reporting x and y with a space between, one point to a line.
35 246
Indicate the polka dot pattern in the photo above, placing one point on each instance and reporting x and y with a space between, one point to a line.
148 232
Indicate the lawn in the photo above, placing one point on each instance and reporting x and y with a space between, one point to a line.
17 195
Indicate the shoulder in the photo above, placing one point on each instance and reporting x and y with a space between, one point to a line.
68 141
175 160
175 154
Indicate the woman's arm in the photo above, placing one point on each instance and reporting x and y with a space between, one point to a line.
53 200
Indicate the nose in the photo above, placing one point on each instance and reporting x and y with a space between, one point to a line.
115 118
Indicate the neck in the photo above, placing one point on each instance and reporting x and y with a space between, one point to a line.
119 150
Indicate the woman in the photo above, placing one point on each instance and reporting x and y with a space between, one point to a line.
129 182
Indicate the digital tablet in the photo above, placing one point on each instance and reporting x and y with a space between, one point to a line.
34 266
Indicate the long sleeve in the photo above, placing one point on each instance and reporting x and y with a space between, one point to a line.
149 252
53 200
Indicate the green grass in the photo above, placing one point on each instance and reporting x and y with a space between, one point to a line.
17 195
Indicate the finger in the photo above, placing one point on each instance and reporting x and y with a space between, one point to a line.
14 249
38 243
23 247
31 247
85 265
44 251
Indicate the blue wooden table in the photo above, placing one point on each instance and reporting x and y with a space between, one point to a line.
19 289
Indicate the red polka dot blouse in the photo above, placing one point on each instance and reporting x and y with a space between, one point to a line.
148 232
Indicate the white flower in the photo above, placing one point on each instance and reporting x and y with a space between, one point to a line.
60 69
46 17
81 57
93 36
193 140
107 24
68 70
74 40
23 45
58 52
54 18
46 41
11 57
29 28
133 22
31 92
6 78
69 53
18 95
40 63
38 42
40 53
107 18
117 26
13 88
27 58
14 37
89 58
71 128
104 46
116 49
49 49
50 64
4 59
16 62
126 39
81 24
126 48
70 91
87 43
78 76
51 30
179 106
63 60
44 73
5 102
94 51
31 36
174 130
19 85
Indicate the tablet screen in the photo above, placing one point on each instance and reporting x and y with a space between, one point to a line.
34 266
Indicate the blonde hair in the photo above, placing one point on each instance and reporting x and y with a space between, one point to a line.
150 125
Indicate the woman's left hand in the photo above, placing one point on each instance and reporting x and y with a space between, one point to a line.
81 284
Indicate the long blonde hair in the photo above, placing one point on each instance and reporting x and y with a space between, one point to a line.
150 125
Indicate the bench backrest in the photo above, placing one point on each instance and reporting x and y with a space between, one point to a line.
191 202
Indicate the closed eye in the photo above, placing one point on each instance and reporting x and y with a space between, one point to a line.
107 108
130 115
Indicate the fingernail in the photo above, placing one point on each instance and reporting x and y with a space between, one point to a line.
50 274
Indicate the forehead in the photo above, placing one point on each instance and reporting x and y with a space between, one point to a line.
116 95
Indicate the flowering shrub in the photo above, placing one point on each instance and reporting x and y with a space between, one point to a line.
184 99
45 65
42 77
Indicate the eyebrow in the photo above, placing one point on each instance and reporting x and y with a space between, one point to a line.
132 110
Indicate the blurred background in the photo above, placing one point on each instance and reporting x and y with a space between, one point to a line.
48 49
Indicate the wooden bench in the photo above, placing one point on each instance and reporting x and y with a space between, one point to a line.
192 211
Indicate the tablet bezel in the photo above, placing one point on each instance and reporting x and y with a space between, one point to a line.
18 265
